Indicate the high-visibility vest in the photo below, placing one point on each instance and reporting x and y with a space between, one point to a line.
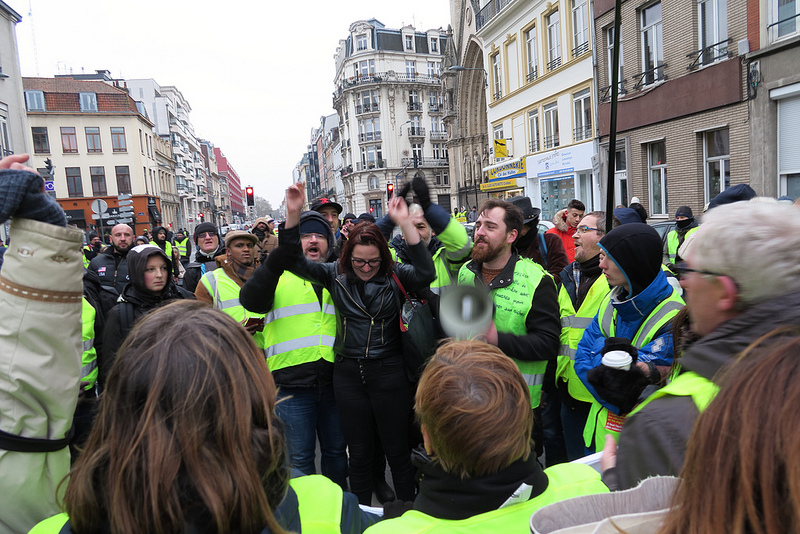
225 292
573 325
511 320
601 421
320 504
167 248
687 384
298 329
86 261
181 246
565 481
672 243
89 354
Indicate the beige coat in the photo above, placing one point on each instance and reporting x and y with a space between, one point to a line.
40 364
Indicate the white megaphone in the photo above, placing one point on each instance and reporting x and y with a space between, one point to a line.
465 311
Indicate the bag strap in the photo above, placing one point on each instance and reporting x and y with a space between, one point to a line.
394 275
543 249
14 443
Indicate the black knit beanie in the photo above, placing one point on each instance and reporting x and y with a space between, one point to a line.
636 249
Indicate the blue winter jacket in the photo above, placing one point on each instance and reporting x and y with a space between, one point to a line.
631 314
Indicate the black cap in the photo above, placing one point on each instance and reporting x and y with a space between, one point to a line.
737 193
203 228
322 202
684 211
366 217
349 216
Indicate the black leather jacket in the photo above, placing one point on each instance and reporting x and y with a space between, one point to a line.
111 269
367 317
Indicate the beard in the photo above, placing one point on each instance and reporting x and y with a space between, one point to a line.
487 253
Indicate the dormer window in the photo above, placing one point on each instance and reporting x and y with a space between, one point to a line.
361 41
88 101
409 42
35 100
435 45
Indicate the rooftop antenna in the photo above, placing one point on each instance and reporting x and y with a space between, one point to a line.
33 38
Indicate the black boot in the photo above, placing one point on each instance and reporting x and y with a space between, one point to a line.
383 491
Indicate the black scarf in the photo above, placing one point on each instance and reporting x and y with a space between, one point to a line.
447 496
590 270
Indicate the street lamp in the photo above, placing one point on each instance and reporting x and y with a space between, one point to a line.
459 68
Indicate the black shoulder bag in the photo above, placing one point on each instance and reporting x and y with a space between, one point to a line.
417 332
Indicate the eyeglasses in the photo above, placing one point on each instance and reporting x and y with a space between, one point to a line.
207 234
584 229
687 270
360 263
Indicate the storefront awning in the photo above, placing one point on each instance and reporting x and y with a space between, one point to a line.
155 215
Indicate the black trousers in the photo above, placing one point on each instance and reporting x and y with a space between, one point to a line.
374 397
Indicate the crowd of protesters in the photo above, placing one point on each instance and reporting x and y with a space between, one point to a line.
184 383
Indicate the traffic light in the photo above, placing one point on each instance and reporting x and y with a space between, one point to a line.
389 190
200 216
251 200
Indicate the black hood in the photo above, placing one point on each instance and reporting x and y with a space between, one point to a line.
636 249
308 216
137 261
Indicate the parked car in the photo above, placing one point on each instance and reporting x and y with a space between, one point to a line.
663 228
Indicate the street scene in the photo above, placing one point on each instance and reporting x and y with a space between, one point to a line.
418 294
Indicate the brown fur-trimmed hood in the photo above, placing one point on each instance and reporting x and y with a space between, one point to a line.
558 220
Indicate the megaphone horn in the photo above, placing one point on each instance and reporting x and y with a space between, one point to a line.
465 311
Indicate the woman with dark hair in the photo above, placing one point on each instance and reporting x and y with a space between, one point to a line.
373 393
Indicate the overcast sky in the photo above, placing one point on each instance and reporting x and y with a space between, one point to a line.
258 76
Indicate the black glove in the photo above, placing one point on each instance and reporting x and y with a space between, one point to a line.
421 192
404 190
22 195
396 508
617 386
623 344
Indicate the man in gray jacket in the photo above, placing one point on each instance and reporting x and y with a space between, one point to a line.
735 294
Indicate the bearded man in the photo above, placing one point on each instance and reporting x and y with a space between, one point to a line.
526 325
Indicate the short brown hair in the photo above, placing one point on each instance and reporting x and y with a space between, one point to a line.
513 218
476 409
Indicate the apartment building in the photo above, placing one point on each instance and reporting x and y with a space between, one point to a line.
13 136
100 144
773 88
389 100
230 177
540 101
170 202
218 195
682 121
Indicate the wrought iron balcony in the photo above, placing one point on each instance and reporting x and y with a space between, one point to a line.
416 131
534 146
650 76
605 92
488 12
580 49
710 54
367 108
425 162
551 141
436 108
533 74
582 133
380 164
369 136
415 106
553 65
498 95
439 136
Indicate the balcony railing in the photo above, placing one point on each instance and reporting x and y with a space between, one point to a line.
710 54
533 74
488 12
380 77
380 164
605 92
534 146
650 76
367 108
369 136
416 131
415 106
580 49
436 108
582 132
553 65
551 141
498 95
425 162
439 136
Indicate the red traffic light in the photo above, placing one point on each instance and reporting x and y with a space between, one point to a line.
251 201
200 215
249 190
389 190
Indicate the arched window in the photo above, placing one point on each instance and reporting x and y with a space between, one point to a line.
374 183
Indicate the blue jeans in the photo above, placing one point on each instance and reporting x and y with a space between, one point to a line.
309 413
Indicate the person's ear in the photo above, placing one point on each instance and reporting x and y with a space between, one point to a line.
729 294
512 236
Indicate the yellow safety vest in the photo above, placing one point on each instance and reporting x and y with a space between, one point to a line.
320 504
181 246
688 384
565 481
89 354
167 248
511 319
298 329
672 243
601 421
225 292
573 325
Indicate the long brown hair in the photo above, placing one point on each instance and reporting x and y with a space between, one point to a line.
185 433
742 469
366 233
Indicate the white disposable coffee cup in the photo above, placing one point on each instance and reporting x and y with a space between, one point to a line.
617 359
